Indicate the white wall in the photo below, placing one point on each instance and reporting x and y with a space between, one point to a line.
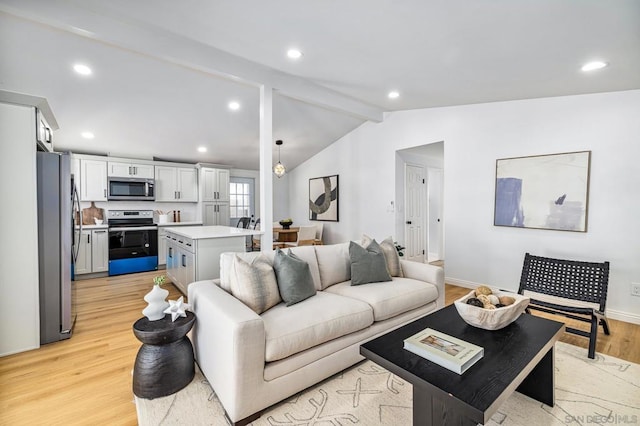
474 137
281 208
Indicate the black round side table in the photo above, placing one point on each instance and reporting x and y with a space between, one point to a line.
164 363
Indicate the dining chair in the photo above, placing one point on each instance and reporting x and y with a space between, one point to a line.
306 236
255 239
244 222
319 228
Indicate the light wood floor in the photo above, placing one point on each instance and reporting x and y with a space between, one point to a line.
87 380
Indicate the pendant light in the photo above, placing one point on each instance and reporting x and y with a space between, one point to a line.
279 168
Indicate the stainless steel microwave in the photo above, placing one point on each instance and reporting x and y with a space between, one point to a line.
135 189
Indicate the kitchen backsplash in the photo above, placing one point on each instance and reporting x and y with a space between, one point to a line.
188 211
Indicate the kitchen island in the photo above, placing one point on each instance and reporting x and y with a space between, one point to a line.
193 252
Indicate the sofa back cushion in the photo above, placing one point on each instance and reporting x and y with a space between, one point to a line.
334 264
254 284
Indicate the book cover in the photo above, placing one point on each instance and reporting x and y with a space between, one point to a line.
446 351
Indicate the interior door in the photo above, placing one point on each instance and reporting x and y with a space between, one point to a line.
414 213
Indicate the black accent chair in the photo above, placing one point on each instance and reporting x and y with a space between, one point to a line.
572 280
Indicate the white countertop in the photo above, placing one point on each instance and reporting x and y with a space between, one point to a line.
206 232
191 223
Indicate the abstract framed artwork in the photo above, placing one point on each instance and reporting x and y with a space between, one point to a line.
543 191
323 198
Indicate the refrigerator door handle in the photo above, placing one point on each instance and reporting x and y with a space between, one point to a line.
76 207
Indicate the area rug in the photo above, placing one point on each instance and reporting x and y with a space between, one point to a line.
605 390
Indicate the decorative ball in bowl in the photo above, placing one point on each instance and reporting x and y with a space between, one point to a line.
286 223
489 310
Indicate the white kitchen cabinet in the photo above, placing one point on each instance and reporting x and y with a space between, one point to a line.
99 250
176 184
162 246
93 176
180 261
214 184
120 169
215 214
93 253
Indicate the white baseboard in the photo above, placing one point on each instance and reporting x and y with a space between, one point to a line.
623 316
612 314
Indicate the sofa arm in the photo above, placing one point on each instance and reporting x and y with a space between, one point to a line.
229 344
428 273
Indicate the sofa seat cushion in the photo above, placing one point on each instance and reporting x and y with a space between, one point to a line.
389 298
326 316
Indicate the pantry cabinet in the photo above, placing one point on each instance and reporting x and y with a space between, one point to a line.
214 184
215 214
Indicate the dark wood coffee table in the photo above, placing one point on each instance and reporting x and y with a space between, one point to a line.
517 357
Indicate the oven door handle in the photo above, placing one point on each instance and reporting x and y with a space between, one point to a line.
134 228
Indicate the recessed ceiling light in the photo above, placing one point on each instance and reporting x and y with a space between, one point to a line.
87 135
294 54
234 106
82 69
202 149
393 95
595 65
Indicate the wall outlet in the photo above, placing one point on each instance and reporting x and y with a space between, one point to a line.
635 289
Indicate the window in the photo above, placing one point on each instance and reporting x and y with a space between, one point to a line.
241 197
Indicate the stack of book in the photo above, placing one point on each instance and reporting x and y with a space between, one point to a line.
446 351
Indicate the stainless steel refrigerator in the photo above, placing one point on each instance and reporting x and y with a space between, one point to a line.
57 203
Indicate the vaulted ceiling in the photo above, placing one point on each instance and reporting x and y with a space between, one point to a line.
165 71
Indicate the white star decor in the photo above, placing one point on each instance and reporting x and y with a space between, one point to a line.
177 308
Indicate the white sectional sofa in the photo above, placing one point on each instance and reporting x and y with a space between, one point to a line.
254 361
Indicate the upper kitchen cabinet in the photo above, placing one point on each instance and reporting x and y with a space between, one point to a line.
123 169
93 176
176 184
214 184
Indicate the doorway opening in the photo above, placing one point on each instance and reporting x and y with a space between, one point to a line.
419 200
241 193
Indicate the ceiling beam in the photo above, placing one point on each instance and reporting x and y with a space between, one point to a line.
148 40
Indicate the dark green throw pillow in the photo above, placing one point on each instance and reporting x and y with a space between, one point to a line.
368 265
294 278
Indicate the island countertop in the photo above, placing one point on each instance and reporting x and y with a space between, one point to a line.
208 232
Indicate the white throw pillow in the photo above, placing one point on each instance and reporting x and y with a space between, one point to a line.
390 254
254 284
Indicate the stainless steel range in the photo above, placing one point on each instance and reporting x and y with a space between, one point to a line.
133 241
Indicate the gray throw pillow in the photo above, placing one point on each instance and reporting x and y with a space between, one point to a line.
390 254
294 278
368 265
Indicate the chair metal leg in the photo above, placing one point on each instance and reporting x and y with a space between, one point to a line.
592 337
605 326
